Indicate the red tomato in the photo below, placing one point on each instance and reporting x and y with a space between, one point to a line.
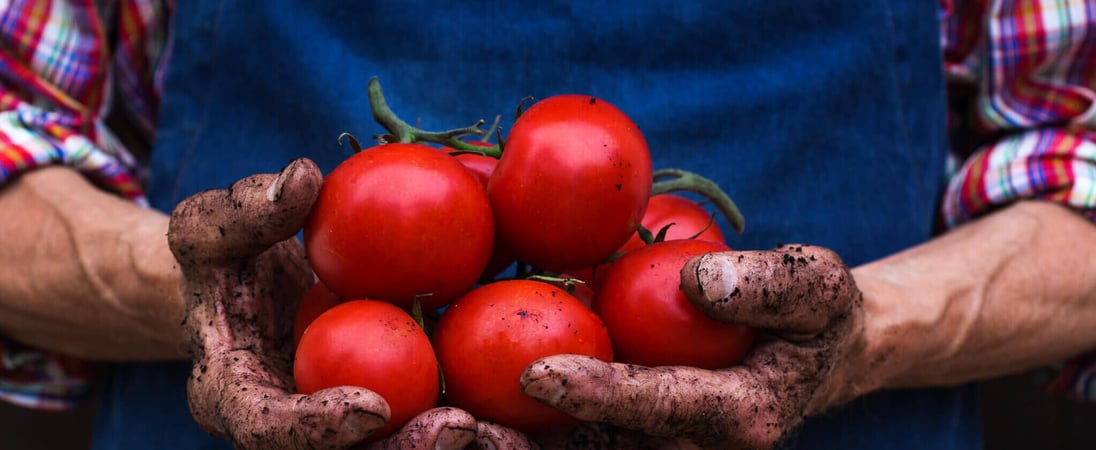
317 300
688 218
481 167
487 338
398 220
581 290
572 183
650 321
374 345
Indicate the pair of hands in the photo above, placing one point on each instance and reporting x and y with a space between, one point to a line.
245 273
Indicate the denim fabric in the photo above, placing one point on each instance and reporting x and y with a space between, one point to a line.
824 120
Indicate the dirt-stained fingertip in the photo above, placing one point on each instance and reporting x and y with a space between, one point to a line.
710 278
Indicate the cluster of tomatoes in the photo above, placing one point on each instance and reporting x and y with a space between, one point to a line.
407 227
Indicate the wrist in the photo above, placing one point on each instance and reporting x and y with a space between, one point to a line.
889 341
881 346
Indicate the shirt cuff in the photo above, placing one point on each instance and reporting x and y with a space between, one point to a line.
31 137
1051 164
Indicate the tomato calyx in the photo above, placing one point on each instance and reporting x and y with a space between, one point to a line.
521 106
674 180
649 238
403 132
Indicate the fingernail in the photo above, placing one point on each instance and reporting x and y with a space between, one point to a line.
274 192
716 277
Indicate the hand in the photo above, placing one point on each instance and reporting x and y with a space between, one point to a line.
808 308
244 274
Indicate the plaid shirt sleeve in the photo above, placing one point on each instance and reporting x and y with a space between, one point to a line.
1025 75
60 63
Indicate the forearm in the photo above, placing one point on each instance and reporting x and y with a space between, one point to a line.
1009 292
86 273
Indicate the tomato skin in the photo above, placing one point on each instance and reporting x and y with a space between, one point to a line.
374 345
398 220
487 338
652 323
688 217
317 300
580 289
572 183
481 167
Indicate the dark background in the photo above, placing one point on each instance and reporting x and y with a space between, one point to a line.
1017 415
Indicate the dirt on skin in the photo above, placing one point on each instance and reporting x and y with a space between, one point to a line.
809 310
245 274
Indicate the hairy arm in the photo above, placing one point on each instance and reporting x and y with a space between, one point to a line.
85 272
1007 293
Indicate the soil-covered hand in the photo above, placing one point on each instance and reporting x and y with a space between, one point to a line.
808 308
244 274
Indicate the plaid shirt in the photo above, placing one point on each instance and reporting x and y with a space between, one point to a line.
1023 75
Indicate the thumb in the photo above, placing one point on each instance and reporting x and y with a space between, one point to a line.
245 219
729 408
793 289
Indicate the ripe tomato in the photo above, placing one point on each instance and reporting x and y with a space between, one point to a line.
580 289
487 338
688 218
317 300
374 345
481 167
650 321
398 220
572 183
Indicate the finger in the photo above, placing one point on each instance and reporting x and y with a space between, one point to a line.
728 408
245 219
492 436
237 396
797 288
438 428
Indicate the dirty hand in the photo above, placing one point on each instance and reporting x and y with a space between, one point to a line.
244 274
808 310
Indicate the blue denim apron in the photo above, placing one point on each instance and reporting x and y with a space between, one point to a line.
824 120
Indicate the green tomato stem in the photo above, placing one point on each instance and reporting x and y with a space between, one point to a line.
681 180
403 132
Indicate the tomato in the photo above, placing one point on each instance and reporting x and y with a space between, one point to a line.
572 183
688 217
652 323
398 220
317 300
374 345
487 338
481 167
579 288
